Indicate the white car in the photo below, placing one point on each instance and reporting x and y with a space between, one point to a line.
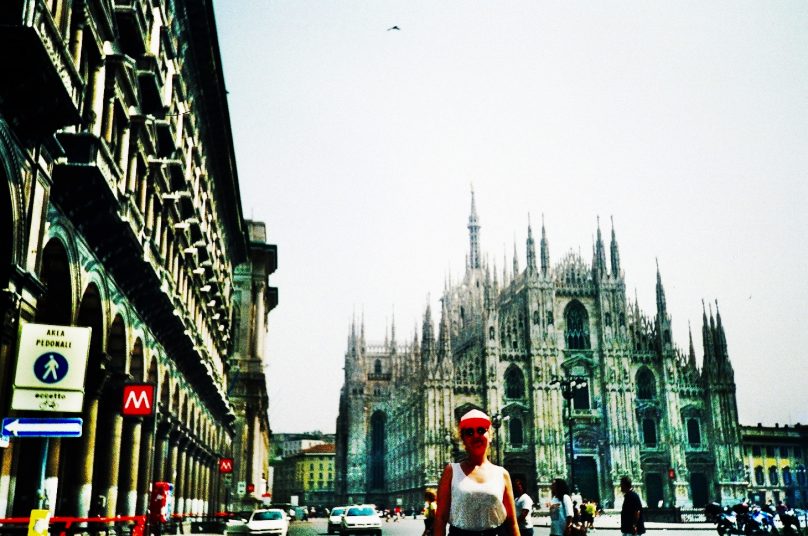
335 519
361 519
271 521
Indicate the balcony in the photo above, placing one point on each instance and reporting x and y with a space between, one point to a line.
84 188
132 19
40 86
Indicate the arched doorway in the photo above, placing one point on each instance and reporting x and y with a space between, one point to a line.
699 489
377 449
586 477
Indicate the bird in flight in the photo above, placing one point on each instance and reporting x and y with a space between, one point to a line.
393 28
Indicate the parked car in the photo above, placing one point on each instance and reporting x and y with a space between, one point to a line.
270 521
335 519
361 519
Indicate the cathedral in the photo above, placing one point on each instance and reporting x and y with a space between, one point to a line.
581 384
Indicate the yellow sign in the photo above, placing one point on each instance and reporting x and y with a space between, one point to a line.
38 525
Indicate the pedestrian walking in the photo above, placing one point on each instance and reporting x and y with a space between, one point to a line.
475 497
524 506
631 518
430 507
560 506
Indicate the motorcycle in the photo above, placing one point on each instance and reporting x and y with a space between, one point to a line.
725 519
759 521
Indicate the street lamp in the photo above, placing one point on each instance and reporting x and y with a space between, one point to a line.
496 421
569 385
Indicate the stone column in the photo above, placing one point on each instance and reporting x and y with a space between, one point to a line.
113 463
258 326
98 83
206 496
132 461
146 465
179 486
84 486
160 453
173 454
187 484
123 157
196 487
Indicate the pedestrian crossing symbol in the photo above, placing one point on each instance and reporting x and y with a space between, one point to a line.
50 367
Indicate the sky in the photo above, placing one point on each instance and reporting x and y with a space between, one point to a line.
685 122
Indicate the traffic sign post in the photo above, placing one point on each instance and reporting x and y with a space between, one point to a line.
56 427
51 364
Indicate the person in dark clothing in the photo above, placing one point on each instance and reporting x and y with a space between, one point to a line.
631 518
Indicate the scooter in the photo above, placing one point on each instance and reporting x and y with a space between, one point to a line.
725 519
759 522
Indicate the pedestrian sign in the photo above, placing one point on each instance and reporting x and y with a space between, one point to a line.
50 367
51 363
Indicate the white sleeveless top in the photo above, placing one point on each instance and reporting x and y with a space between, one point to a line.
477 506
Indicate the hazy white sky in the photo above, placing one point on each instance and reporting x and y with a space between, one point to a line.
687 122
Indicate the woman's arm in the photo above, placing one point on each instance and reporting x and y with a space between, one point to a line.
444 501
569 510
510 527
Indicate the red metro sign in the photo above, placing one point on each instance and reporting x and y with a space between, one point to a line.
138 399
225 465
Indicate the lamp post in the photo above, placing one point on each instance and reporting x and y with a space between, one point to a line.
569 385
496 421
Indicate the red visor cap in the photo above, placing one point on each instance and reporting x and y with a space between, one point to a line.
473 419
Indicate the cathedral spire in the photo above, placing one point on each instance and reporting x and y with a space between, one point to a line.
393 332
531 249
545 251
661 305
444 345
615 254
707 340
720 338
474 235
515 259
600 253
427 336
691 356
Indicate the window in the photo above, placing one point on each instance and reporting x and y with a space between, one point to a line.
787 479
649 432
693 433
756 450
607 319
515 429
377 367
646 385
774 478
771 452
577 332
580 397
759 476
514 383
801 477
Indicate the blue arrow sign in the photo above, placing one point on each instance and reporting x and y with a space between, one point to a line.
56 427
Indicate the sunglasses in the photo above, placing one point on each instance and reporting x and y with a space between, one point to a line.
469 432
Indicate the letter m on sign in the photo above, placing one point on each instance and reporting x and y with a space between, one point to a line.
225 465
138 399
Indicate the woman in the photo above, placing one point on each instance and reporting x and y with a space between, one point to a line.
475 496
561 510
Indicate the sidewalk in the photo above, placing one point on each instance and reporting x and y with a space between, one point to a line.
612 522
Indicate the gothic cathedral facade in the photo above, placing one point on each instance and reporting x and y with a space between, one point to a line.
646 409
